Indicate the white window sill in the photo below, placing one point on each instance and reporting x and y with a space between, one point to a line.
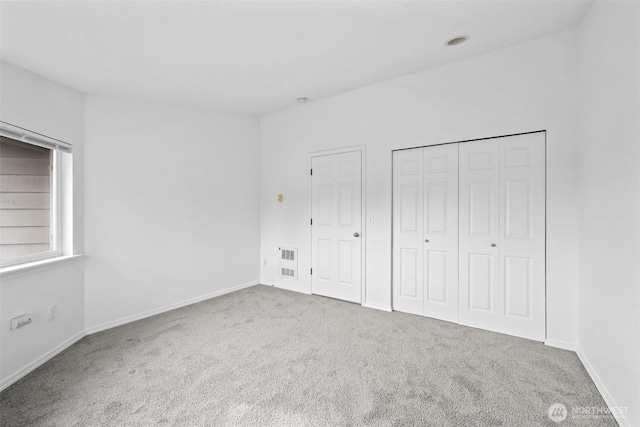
35 266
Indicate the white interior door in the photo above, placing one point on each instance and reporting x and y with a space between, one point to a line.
441 232
522 235
479 234
408 231
336 206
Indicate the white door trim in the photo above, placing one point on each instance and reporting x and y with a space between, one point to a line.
363 261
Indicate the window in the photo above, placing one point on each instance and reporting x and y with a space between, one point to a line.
30 195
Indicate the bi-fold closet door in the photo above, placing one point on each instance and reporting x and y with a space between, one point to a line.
425 231
469 233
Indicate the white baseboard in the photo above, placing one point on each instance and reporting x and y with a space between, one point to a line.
308 292
40 360
621 419
286 287
561 345
129 319
377 306
268 283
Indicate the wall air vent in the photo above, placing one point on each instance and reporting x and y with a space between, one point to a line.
288 262
288 254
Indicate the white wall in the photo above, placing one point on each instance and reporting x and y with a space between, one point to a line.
172 207
527 87
609 319
173 210
43 106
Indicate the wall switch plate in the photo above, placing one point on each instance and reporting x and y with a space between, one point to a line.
53 311
370 218
20 321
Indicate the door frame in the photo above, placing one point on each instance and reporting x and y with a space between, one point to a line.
363 211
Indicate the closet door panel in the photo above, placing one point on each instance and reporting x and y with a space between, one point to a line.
441 232
479 234
408 229
522 235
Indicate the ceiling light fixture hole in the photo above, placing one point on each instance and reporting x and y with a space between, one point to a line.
456 40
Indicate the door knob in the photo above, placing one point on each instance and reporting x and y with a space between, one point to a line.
356 234
493 245
426 240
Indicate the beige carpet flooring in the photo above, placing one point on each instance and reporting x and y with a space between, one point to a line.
269 357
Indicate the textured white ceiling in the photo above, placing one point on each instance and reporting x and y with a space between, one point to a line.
258 57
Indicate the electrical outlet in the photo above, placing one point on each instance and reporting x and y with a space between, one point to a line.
53 311
264 262
20 321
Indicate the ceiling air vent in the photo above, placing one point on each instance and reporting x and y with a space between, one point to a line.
289 262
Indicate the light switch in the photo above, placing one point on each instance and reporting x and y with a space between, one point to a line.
370 219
